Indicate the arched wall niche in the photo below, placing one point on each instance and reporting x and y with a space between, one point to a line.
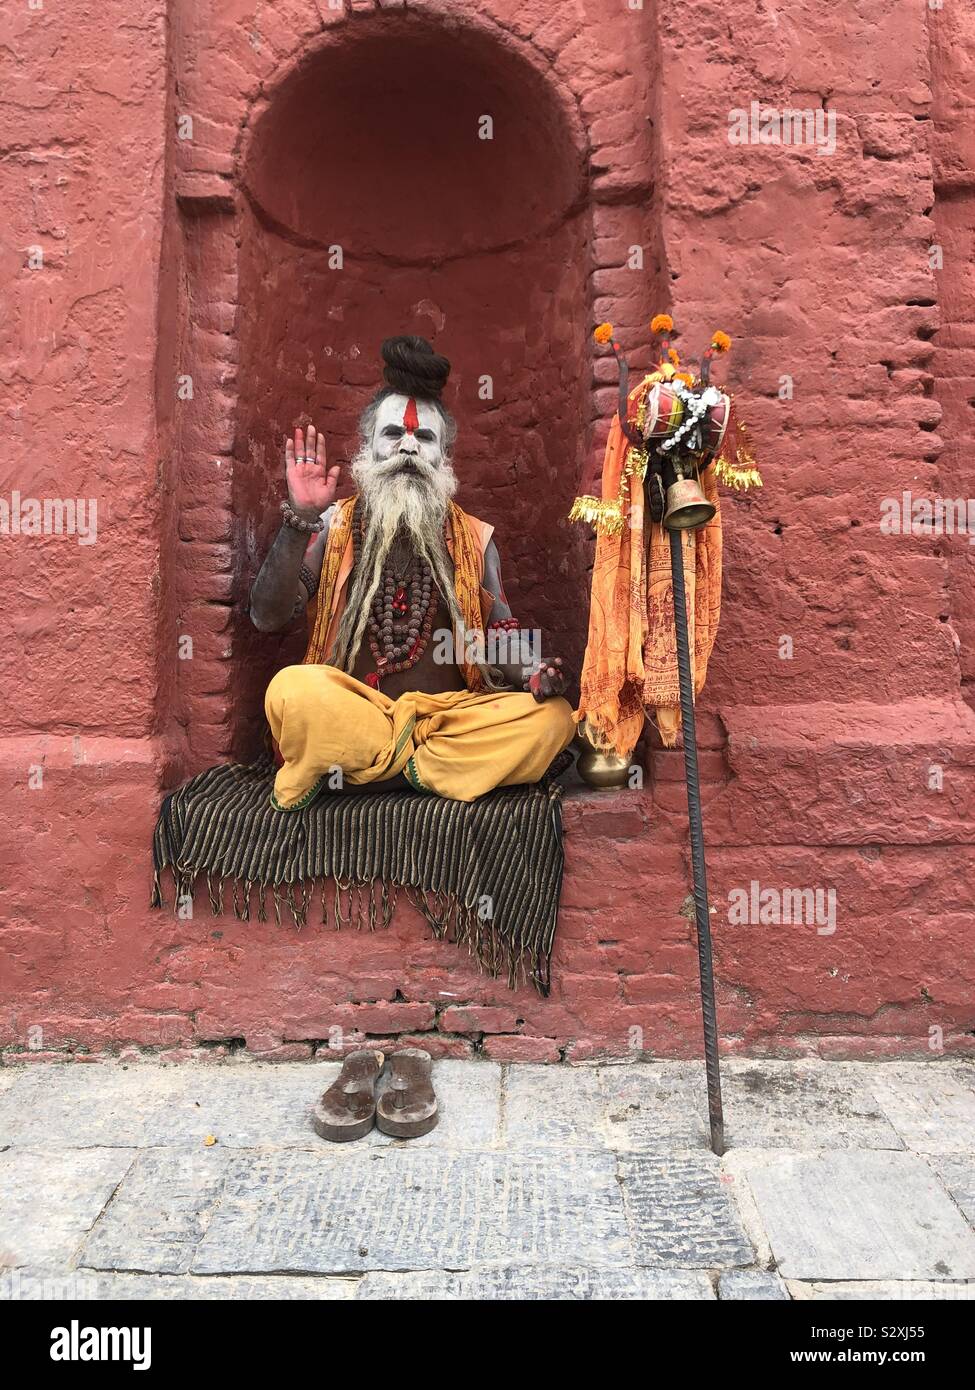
505 252
415 139
371 145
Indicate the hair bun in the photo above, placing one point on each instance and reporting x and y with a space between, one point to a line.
413 368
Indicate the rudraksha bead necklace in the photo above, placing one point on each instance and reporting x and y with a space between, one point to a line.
401 614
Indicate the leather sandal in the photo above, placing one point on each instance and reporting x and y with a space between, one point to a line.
347 1110
408 1106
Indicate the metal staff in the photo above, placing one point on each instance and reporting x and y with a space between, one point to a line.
685 508
677 522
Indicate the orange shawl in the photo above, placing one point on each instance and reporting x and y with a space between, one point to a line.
630 666
466 540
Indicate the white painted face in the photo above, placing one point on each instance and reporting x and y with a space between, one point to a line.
403 472
408 427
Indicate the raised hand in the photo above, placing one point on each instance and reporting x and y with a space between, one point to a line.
310 488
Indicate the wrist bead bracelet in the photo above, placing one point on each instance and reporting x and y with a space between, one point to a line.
310 583
309 580
298 523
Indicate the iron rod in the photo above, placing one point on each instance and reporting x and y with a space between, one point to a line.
701 906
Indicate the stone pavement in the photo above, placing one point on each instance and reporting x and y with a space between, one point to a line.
842 1180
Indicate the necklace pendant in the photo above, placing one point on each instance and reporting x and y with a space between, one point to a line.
374 677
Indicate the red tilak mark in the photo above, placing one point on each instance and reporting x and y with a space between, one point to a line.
411 421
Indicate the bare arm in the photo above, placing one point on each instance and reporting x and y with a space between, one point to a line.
524 668
277 591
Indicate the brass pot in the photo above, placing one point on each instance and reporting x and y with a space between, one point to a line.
600 767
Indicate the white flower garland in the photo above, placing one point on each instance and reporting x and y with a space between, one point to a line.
696 406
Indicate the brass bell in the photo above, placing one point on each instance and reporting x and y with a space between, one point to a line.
687 506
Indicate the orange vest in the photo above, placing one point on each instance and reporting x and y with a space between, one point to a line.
467 540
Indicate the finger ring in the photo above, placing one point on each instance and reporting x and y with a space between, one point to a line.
299 458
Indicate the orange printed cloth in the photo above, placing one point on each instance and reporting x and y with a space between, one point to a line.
630 667
467 540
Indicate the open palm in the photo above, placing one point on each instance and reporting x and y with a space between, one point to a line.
311 487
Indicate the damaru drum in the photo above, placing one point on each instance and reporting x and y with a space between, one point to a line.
714 430
664 412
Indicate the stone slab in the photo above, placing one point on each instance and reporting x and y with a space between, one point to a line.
757 1285
159 1213
250 1105
931 1105
849 1216
400 1208
805 1104
656 1107
957 1172
681 1213
549 1283
661 1106
127 1107
554 1107
88 1286
898 1291
49 1201
800 1105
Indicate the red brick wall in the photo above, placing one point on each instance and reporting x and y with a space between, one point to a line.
169 258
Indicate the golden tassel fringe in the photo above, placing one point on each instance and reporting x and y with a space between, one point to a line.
743 473
603 516
740 476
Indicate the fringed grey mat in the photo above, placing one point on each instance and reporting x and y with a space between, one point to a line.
485 873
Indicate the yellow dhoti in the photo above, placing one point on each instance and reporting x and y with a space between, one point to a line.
456 744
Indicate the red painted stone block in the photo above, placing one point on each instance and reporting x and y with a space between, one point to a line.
472 1019
178 1055
393 1018
286 1052
22 1059
598 1049
435 1043
502 1047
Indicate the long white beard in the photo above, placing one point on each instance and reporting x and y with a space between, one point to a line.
412 506
416 502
